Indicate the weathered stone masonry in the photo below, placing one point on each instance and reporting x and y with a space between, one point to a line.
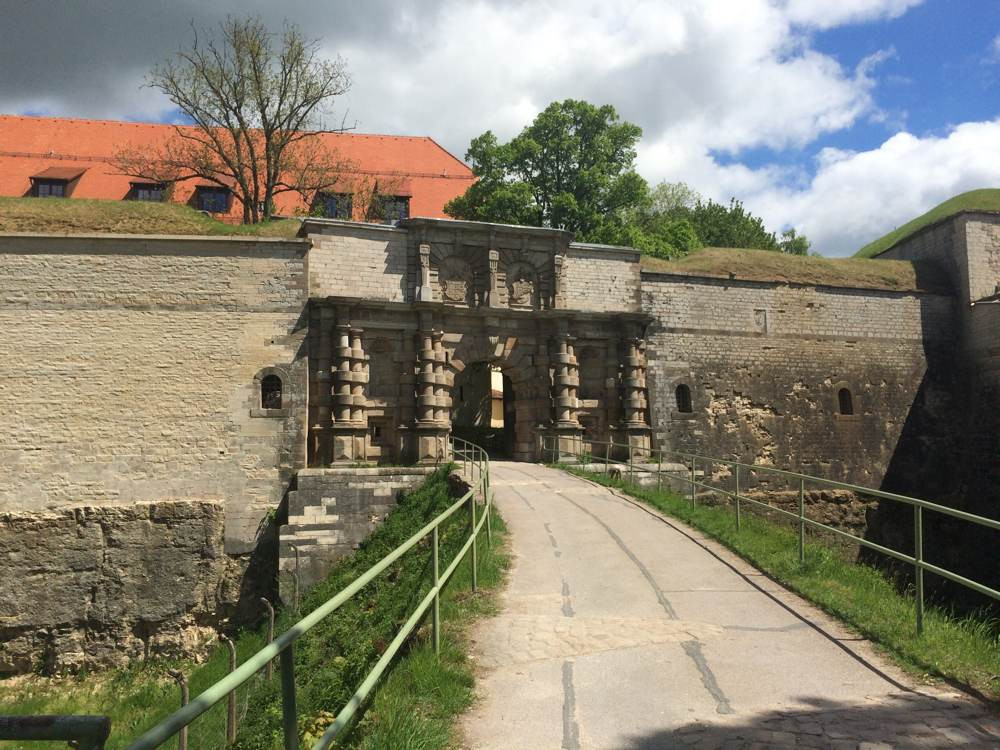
162 398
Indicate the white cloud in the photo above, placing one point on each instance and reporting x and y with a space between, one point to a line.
825 14
706 79
855 197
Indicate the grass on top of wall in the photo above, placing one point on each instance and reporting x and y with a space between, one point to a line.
767 265
91 216
962 650
986 199
415 706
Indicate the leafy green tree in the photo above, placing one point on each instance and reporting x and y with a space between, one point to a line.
793 243
572 168
730 226
671 199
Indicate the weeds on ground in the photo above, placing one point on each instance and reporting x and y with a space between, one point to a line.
962 650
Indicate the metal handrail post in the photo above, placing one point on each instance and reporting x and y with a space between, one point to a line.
692 482
802 520
231 697
289 713
631 467
659 470
182 735
475 562
607 458
436 619
737 475
918 554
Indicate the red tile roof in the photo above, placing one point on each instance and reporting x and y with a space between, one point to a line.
33 146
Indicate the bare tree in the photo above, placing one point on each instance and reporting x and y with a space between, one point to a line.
256 111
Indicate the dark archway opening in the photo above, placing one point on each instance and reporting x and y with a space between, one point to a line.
483 409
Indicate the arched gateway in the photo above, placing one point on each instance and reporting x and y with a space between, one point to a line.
397 314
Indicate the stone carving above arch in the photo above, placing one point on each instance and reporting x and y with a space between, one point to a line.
455 281
522 286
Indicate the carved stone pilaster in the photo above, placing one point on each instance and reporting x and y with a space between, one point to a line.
566 429
634 400
350 376
424 291
321 424
558 282
433 408
494 292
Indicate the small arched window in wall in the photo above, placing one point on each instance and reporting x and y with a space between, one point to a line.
683 396
269 398
270 392
846 401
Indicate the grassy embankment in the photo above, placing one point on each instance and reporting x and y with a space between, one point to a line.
83 216
765 265
416 705
965 651
987 199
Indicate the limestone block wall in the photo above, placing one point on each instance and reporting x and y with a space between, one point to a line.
359 260
765 362
127 371
601 278
90 586
331 511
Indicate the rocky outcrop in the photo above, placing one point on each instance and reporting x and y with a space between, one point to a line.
101 585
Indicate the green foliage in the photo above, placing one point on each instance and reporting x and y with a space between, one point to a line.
729 226
965 650
572 168
793 244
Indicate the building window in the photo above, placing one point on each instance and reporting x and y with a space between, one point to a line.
214 200
270 392
335 205
148 191
846 401
683 396
394 208
50 188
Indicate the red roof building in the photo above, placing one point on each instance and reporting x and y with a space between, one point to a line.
71 158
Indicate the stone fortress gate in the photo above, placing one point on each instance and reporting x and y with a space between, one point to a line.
406 325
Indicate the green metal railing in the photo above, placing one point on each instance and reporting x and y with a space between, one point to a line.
624 456
475 462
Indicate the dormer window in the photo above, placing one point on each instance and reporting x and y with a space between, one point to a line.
153 192
335 205
395 208
215 200
55 182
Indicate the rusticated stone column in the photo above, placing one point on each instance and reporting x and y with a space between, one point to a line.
565 381
634 401
494 259
350 377
429 441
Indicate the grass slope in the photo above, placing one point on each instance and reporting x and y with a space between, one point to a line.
416 705
987 199
765 265
82 216
962 650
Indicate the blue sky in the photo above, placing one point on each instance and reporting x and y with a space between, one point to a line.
841 118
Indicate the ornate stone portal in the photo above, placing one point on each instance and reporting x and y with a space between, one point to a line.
518 301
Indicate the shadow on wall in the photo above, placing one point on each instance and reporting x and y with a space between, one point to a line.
936 459
905 720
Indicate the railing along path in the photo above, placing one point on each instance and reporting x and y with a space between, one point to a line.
614 450
93 731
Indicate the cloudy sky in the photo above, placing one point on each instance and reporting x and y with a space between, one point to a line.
842 118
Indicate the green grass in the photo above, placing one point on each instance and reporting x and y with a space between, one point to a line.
83 216
416 705
965 650
987 199
764 265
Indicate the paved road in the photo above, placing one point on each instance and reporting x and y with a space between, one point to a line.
622 630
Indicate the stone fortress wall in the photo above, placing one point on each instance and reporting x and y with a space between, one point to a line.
131 371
